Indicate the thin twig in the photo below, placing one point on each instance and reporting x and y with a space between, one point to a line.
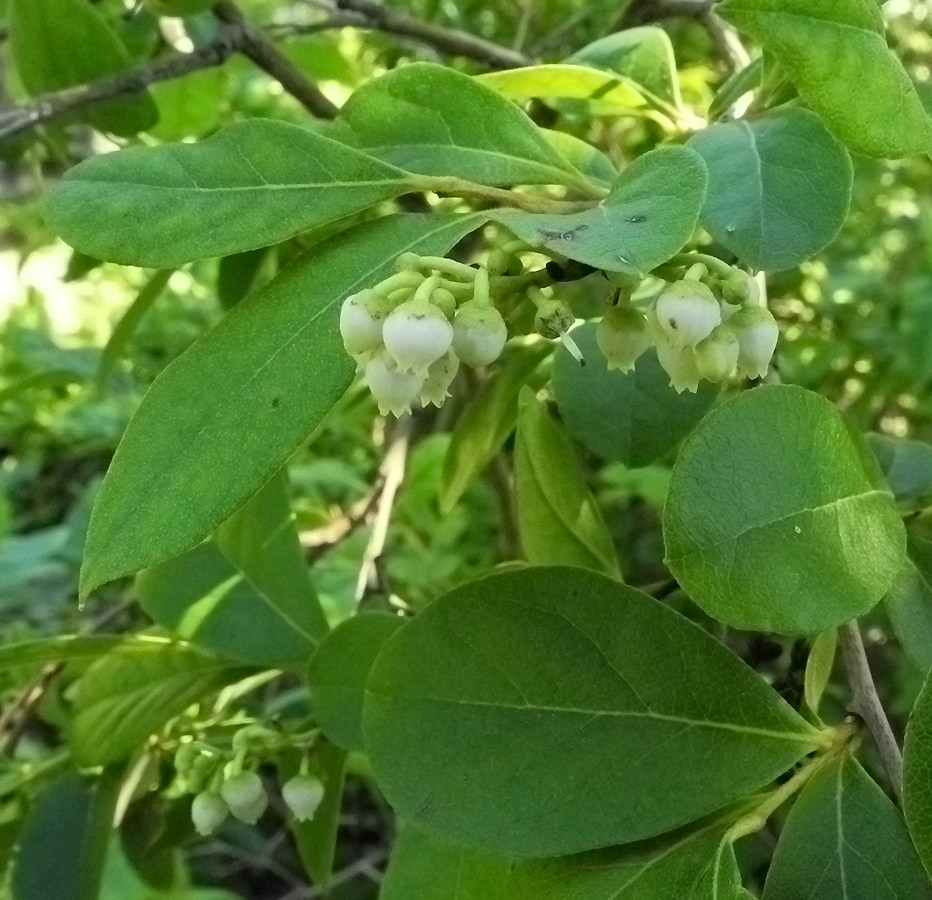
866 703
726 40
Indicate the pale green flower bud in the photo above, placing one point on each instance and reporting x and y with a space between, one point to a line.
393 389
740 288
757 332
717 355
680 364
479 333
417 334
439 378
303 795
208 812
244 794
445 302
687 311
622 337
362 316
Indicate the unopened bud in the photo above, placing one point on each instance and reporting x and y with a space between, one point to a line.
622 337
740 288
479 333
303 795
687 311
361 319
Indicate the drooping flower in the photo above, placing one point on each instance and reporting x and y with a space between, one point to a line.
417 334
717 355
622 337
479 333
687 311
362 316
208 812
303 795
440 376
757 332
680 364
393 389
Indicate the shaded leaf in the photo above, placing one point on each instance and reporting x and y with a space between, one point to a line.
819 667
906 464
917 774
909 600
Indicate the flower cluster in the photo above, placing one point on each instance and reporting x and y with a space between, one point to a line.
698 333
410 333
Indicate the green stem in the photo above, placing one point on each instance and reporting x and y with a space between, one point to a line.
713 263
528 202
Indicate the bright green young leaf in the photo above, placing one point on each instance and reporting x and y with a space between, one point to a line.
736 86
339 671
549 710
844 838
223 418
252 184
485 423
779 186
906 464
62 43
644 56
189 106
637 417
819 667
909 600
432 120
132 691
825 47
64 840
649 215
558 520
428 869
777 518
917 774
591 161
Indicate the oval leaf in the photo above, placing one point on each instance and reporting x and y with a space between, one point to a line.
845 838
906 464
826 47
252 184
777 518
222 419
558 520
647 217
779 187
637 417
549 710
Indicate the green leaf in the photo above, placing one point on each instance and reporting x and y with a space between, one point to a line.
637 417
132 691
189 106
917 774
549 710
222 419
906 464
62 43
909 600
252 184
64 839
558 519
591 161
425 868
845 838
777 519
485 423
339 671
819 667
644 56
261 540
66 648
432 120
826 47
779 187
647 217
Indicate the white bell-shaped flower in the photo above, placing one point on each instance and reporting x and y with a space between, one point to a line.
440 376
757 332
687 311
680 364
362 316
303 795
393 389
208 812
479 333
622 337
717 355
244 794
416 334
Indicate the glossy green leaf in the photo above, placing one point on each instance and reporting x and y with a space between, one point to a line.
62 43
826 47
546 711
132 691
222 419
252 184
777 518
909 600
819 667
779 187
647 217
339 671
433 120
917 774
643 55
423 867
845 838
485 423
64 839
189 106
906 464
558 519
637 417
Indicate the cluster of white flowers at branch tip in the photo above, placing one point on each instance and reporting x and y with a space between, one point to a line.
697 334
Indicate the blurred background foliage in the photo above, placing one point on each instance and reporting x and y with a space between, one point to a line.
857 327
